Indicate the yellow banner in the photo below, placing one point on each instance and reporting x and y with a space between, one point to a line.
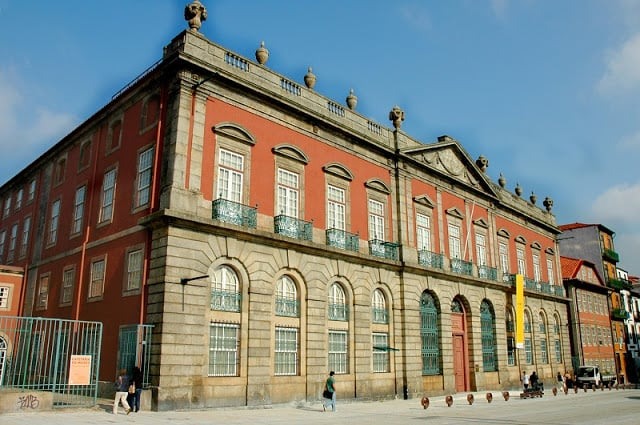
519 311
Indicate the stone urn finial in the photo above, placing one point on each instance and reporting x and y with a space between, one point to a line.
518 189
195 13
482 163
533 198
262 54
502 181
548 203
352 100
310 79
396 115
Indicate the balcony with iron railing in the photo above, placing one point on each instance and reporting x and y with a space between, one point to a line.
292 227
531 284
234 213
430 259
486 272
225 300
287 307
619 284
382 249
338 312
343 240
379 315
619 313
461 266
611 255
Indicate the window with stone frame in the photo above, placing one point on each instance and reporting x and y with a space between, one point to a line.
336 207
13 241
96 278
19 196
143 177
488 337
26 231
379 313
84 157
550 273
32 190
54 216
430 335
135 262
150 112
423 232
4 297
522 265
43 292
224 341
108 196
114 136
68 278
337 303
286 297
225 290
230 176
286 351
338 351
78 210
380 353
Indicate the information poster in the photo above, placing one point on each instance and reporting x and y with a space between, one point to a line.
80 370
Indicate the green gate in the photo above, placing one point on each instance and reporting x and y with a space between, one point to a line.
134 343
56 355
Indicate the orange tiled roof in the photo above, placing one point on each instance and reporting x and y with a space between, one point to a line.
569 267
572 226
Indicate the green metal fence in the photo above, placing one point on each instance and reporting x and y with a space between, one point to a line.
134 349
60 356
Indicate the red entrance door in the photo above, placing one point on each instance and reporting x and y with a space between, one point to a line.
459 364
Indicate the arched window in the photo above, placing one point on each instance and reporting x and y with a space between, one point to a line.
556 335
487 325
224 290
456 306
430 335
337 303
544 350
286 297
511 341
379 307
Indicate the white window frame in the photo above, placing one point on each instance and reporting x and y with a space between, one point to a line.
4 297
455 246
144 175
522 265
78 210
286 351
68 278
338 351
230 176
223 349
108 195
336 207
550 273
13 242
288 193
96 281
19 197
376 220
7 206
32 190
380 357
135 261
26 230
53 222
43 291
537 274
423 232
481 249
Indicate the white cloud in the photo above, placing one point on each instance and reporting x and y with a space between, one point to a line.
623 68
618 204
26 129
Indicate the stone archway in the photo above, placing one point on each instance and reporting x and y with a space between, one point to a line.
460 346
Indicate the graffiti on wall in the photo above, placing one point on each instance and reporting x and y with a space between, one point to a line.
28 401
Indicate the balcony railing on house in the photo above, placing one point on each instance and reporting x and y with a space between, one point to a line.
380 248
342 239
234 213
611 255
545 288
292 227
619 284
486 272
338 312
461 266
225 300
619 313
558 290
430 259
379 315
531 284
287 307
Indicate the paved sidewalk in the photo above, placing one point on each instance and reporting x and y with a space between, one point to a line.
620 407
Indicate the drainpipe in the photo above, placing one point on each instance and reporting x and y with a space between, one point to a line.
396 115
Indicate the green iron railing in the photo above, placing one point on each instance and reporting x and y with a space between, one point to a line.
287 307
430 259
342 239
225 300
619 284
486 272
619 313
234 213
379 315
380 248
611 255
292 227
338 312
461 266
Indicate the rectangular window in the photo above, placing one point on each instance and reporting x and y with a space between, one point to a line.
19 196
78 210
503 251
223 349
32 190
550 274
134 270
521 264
287 193
380 353
145 165
13 237
286 353
544 356
96 285
108 194
454 241
558 350
376 220
230 176
336 208
423 232
4 297
481 250
3 237
528 352
537 276
338 351
7 206
53 222
43 292
24 243
67 286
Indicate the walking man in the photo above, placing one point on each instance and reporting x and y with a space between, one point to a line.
329 391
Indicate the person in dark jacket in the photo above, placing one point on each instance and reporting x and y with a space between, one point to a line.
134 399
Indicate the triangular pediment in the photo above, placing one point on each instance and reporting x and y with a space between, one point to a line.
423 200
454 212
449 158
481 222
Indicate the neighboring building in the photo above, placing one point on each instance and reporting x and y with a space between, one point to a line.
589 316
632 305
11 292
594 243
269 235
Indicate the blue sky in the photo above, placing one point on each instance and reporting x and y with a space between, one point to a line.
547 90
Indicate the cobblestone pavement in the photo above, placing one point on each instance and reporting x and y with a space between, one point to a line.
592 407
